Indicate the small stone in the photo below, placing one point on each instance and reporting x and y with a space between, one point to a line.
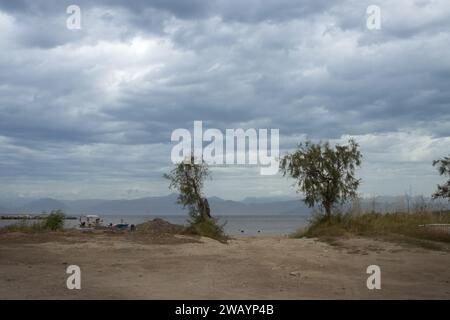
295 273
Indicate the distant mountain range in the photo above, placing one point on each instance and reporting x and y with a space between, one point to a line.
166 205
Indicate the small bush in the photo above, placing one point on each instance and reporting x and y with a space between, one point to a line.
54 221
207 228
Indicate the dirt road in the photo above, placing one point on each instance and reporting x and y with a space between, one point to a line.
119 267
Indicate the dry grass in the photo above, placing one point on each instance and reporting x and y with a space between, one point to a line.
403 227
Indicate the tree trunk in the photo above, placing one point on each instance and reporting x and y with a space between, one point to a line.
206 209
327 207
205 212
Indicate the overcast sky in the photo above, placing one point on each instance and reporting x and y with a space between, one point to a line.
89 113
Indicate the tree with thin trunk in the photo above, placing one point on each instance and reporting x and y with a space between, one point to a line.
188 178
325 175
443 165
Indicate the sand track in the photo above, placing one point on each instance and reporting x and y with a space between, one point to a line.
116 267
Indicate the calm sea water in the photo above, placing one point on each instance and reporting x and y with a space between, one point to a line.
234 224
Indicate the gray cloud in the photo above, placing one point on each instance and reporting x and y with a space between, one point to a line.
91 106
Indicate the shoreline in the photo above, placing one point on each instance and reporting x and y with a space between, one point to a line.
250 224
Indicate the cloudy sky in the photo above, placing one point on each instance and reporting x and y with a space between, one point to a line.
89 113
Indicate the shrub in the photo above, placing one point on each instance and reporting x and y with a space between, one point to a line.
207 228
54 221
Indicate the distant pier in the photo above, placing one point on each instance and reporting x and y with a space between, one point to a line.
30 217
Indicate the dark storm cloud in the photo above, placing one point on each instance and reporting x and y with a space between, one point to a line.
248 11
101 102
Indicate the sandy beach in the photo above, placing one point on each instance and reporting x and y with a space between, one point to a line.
116 266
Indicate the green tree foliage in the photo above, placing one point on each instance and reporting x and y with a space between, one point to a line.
324 174
188 179
443 166
54 221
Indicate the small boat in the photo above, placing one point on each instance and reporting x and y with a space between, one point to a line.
90 221
121 226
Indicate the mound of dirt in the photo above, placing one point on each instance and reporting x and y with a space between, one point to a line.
159 226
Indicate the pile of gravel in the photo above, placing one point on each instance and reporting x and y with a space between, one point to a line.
159 226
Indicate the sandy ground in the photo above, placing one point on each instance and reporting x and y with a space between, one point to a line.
124 267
